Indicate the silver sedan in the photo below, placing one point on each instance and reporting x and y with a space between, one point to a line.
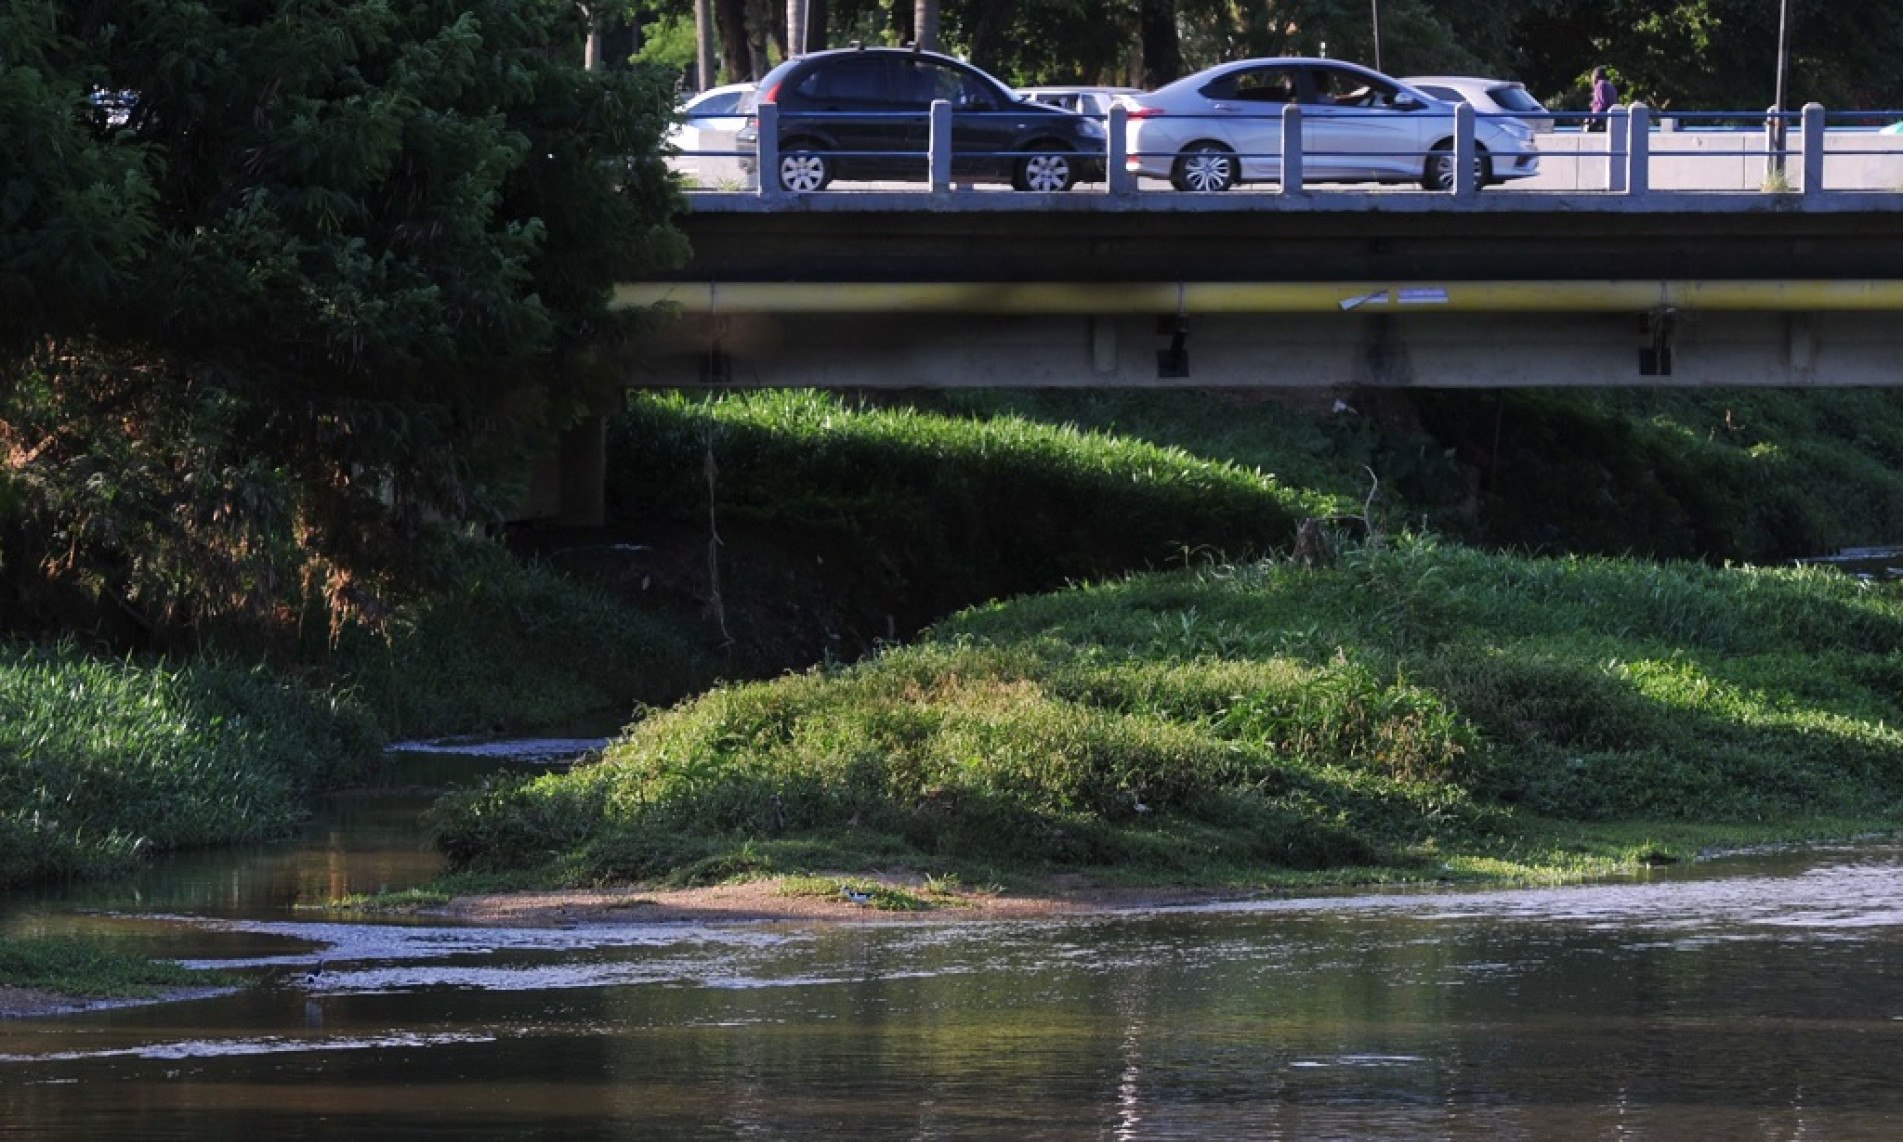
1223 126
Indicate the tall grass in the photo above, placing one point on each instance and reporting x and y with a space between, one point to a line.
1415 703
102 761
959 509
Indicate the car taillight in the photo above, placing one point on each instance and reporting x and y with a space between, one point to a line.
772 95
1145 112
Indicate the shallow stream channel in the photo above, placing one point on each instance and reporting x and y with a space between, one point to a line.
1756 996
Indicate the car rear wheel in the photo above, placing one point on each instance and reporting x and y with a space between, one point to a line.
804 170
1050 171
1204 166
1438 174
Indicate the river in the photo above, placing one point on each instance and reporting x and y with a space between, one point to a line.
1756 996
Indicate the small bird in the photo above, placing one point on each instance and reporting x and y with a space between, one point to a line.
854 895
312 976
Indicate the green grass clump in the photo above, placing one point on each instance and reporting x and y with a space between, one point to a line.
92 968
102 761
1417 707
953 509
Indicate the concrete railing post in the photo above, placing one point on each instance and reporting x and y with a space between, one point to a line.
1813 148
1618 132
1464 184
1774 145
939 153
768 151
1291 148
1117 173
1638 149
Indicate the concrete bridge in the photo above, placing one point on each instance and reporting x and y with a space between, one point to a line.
1642 261
1636 279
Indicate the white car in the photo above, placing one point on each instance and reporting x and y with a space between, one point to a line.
1500 97
1223 126
704 135
1092 101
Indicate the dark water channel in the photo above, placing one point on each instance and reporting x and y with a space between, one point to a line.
1754 997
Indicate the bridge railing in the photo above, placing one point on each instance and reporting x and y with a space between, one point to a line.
1632 152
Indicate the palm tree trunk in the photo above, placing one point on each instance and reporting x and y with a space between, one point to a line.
706 48
925 24
795 27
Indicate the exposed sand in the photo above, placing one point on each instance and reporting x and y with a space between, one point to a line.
765 900
752 901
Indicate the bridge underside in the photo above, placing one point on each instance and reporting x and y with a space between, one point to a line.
1231 290
1282 350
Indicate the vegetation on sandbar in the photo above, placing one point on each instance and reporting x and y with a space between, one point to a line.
80 966
1416 709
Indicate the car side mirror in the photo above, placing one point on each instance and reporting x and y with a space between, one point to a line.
1405 102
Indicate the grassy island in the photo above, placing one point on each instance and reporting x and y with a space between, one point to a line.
1414 710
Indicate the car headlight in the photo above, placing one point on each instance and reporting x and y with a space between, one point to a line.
1090 129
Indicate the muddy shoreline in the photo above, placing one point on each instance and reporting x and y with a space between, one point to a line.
758 901
766 900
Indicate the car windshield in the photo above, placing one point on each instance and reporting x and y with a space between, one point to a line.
715 103
1513 97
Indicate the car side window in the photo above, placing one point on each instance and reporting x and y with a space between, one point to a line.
852 79
1255 85
1349 89
926 81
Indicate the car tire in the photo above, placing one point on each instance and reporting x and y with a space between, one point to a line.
1438 172
1047 171
1204 167
803 169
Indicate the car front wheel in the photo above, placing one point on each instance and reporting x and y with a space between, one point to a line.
1438 174
1204 166
802 171
1052 171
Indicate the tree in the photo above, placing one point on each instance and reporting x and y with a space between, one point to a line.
351 270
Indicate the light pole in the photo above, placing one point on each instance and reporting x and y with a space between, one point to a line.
1777 98
1376 6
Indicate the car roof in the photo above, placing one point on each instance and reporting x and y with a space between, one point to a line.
1273 61
1456 80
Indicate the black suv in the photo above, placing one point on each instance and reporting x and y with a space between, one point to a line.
864 113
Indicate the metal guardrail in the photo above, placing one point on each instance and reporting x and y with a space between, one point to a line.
1634 141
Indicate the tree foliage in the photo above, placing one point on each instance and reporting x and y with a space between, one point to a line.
351 258
1682 54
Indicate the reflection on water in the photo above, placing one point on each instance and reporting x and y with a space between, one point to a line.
359 843
1757 998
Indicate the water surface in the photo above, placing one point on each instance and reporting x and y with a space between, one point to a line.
1756 997
1760 999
